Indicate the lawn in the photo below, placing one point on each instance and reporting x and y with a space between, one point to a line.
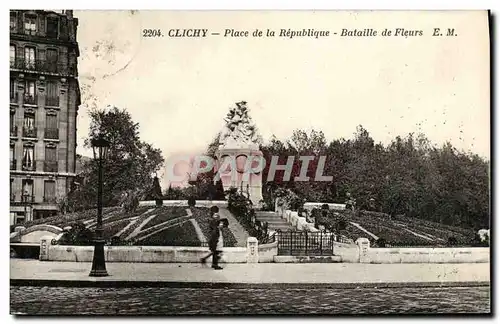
202 216
181 235
164 214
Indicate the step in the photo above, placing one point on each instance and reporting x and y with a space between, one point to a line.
274 221
307 259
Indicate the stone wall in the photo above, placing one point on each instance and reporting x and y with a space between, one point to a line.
149 254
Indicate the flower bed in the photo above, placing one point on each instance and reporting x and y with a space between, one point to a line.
182 235
164 214
202 217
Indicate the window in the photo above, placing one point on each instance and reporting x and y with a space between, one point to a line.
52 60
50 153
12 158
13 128
28 158
52 27
13 92
13 21
52 97
12 197
49 190
29 57
29 129
27 189
29 92
12 55
30 24
51 130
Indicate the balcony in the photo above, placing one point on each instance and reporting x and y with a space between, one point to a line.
13 164
50 166
30 99
52 133
13 97
13 131
28 198
52 101
49 199
30 32
29 166
29 132
38 65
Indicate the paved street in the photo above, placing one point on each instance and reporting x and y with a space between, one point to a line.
262 273
187 301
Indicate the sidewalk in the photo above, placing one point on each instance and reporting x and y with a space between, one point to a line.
315 275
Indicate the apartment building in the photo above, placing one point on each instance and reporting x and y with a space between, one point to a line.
44 100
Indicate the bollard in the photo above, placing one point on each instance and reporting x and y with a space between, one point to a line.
252 250
45 243
363 248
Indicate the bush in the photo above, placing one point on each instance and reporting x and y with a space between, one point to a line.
79 234
380 242
191 201
452 241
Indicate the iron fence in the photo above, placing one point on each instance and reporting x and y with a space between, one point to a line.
305 243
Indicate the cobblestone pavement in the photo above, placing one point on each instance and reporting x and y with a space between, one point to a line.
186 301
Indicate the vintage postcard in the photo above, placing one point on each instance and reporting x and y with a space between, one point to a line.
249 162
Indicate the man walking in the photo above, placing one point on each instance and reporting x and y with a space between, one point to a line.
215 234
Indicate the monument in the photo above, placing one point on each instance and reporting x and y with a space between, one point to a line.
239 142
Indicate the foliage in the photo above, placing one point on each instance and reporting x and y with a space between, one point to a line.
191 201
129 165
79 234
409 176
241 207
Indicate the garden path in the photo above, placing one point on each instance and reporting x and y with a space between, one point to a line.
240 234
364 230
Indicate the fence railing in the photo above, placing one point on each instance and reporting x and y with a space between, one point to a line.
30 99
39 65
305 243
13 131
30 132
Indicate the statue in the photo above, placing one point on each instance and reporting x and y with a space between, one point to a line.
240 129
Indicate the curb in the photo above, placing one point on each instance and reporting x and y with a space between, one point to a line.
236 285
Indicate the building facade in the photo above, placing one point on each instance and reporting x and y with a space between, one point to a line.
44 101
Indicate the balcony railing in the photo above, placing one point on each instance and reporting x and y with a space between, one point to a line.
49 199
28 198
13 164
30 32
39 65
29 167
52 133
52 101
13 131
13 97
30 99
50 166
29 132
12 197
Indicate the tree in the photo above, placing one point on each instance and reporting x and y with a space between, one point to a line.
130 163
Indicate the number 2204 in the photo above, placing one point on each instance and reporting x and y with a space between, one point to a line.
151 33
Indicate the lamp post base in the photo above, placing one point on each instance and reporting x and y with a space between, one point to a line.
98 261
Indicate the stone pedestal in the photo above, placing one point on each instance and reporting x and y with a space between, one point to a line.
252 250
363 247
45 243
247 182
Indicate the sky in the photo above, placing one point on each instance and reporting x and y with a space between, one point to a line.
179 89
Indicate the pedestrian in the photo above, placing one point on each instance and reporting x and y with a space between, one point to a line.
213 226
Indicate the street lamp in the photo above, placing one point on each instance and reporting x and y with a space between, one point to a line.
100 147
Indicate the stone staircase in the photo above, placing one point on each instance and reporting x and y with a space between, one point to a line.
275 222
